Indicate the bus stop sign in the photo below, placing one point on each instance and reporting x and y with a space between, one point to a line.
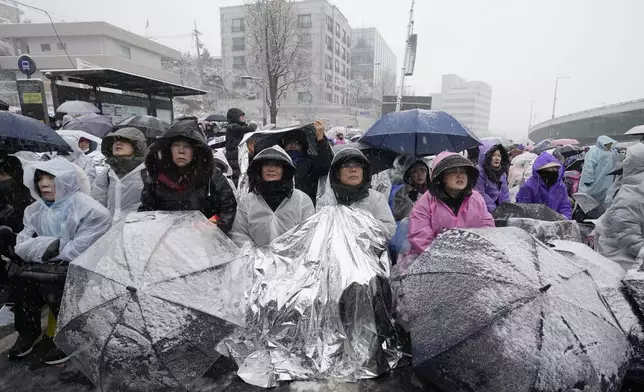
26 65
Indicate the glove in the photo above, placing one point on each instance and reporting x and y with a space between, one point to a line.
51 251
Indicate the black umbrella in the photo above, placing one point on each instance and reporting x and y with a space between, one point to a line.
94 124
20 133
586 207
146 305
152 127
380 159
494 310
216 118
525 210
265 139
568 151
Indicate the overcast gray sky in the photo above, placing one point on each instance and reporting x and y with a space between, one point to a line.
517 46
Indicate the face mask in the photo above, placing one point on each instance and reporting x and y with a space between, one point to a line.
6 185
549 177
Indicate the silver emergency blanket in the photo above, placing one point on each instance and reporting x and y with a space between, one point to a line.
319 306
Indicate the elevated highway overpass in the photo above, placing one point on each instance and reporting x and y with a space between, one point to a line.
587 125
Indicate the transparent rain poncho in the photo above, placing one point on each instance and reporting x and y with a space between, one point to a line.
75 219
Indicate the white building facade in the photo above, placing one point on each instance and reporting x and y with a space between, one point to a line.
373 60
470 102
330 55
98 43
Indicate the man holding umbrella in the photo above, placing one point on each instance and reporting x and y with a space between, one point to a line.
309 169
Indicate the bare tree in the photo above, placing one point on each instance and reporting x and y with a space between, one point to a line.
386 84
278 47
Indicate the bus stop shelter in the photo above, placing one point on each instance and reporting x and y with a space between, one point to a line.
137 90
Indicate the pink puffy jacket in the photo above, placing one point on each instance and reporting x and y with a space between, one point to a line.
430 216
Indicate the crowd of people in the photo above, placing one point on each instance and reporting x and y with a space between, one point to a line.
56 209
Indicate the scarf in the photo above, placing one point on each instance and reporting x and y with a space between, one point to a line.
454 203
176 185
494 174
296 156
274 192
347 195
124 165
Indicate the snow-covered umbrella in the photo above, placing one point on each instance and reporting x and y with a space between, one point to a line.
527 210
146 305
497 310
77 107
92 123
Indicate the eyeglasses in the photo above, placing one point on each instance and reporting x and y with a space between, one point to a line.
455 170
352 165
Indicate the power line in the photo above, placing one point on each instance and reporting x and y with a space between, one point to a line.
62 45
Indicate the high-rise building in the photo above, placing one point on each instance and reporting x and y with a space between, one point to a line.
373 61
329 45
468 101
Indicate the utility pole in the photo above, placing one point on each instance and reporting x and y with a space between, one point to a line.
410 30
196 33
554 101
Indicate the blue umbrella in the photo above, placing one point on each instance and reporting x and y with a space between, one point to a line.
419 132
20 133
92 123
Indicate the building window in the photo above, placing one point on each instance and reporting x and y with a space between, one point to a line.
238 25
337 48
239 82
239 62
336 99
304 97
239 44
344 36
337 30
329 23
125 52
337 66
328 62
344 54
329 97
61 46
329 43
348 40
45 47
344 70
304 21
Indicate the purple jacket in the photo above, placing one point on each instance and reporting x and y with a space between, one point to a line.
535 190
493 195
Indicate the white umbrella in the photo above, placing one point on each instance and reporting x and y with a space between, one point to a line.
77 107
638 130
79 134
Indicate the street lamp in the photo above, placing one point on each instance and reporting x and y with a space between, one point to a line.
531 107
554 101
263 86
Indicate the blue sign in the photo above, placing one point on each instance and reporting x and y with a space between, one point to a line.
26 65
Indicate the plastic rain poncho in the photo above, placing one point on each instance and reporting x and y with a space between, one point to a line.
597 164
220 158
121 195
256 222
621 228
79 158
374 202
74 218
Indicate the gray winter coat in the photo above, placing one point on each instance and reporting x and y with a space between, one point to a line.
621 229
121 195
256 222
